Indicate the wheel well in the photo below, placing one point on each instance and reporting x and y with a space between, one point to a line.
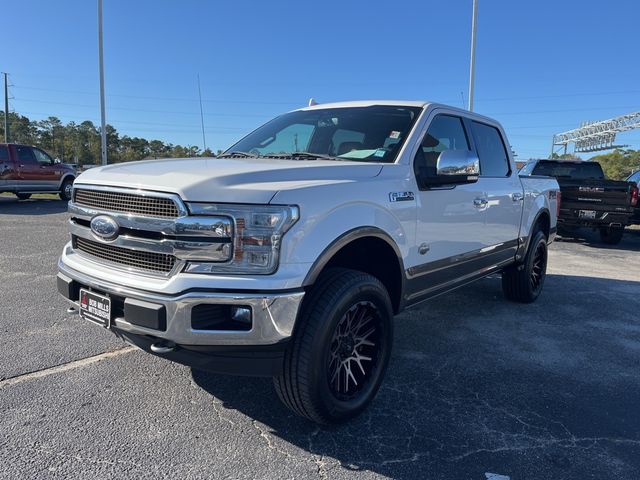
543 223
375 257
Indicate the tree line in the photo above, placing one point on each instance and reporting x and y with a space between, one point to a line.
80 142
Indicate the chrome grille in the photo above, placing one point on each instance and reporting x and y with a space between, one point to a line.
126 202
149 261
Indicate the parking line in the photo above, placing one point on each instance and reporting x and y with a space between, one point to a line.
7 382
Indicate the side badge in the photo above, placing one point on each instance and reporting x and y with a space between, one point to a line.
401 196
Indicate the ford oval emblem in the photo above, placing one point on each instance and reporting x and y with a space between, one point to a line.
104 227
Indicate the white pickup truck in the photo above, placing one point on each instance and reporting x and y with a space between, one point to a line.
289 255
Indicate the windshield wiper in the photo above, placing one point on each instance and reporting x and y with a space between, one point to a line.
301 156
236 155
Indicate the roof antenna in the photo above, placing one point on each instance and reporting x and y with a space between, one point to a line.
312 102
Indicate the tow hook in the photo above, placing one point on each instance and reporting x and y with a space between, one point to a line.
163 346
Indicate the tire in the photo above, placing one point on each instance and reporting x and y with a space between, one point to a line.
66 189
346 320
523 282
611 236
23 196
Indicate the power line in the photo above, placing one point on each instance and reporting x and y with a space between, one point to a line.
176 99
173 112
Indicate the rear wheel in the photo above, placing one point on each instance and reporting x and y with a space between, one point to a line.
338 355
523 283
66 189
23 196
611 236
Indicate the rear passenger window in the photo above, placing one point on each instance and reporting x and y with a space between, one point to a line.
4 154
494 161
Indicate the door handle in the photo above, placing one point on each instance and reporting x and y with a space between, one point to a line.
517 197
480 202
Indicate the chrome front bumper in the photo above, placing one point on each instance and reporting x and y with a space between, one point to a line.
274 314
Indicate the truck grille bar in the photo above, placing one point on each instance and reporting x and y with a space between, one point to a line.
133 203
142 260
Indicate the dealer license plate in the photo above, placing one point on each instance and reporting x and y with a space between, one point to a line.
589 214
95 308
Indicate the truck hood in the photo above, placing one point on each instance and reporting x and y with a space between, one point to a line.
237 180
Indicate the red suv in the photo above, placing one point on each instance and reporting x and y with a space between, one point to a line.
25 170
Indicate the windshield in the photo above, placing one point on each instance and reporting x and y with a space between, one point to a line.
368 134
578 170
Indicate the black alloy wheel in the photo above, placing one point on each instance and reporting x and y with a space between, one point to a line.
354 350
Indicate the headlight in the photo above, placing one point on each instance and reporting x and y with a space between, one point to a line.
257 233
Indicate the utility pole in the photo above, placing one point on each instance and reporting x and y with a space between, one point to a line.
472 66
204 141
103 121
6 110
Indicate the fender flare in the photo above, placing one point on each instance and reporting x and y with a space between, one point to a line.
345 239
64 177
524 246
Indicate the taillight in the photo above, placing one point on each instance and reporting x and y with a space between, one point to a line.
558 202
634 196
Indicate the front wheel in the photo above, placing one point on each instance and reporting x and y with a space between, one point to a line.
66 189
611 236
523 282
341 346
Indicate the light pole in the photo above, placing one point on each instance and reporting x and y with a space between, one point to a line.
103 121
472 66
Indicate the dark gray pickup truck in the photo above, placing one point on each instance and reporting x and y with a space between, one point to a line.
589 199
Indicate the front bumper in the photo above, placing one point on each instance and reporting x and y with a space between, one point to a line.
273 313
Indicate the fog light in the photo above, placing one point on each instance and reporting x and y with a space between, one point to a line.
241 314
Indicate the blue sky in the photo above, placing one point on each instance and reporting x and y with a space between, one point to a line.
542 67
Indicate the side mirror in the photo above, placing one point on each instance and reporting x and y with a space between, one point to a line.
57 160
455 167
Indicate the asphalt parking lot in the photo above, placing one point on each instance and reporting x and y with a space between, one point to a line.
476 385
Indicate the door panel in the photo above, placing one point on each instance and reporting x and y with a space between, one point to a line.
27 167
504 209
50 173
505 195
450 222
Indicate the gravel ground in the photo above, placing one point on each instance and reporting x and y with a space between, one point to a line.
476 385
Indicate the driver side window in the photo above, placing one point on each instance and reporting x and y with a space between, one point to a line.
445 132
42 158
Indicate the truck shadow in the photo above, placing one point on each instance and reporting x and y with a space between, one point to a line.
630 240
477 384
33 206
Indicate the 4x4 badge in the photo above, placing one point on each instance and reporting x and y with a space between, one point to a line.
401 196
